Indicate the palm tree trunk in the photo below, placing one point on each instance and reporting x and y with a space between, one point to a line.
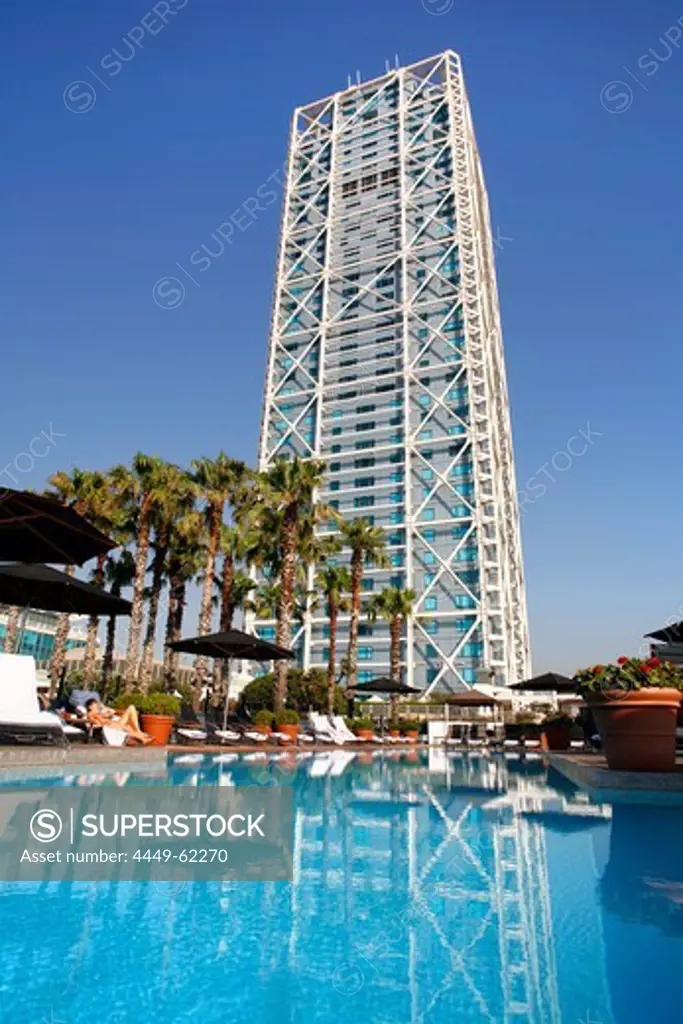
59 650
158 567
352 654
395 631
133 652
222 668
285 601
90 660
12 630
205 610
332 612
110 643
174 622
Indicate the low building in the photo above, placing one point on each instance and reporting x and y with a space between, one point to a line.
38 632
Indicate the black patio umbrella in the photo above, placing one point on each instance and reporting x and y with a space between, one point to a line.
232 644
672 634
549 681
384 685
34 528
40 586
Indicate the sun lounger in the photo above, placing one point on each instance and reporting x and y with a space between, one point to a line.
323 729
339 725
21 720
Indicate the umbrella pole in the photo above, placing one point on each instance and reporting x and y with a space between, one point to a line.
227 695
21 627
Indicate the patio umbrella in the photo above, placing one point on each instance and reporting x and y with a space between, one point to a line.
549 681
232 644
384 685
471 698
34 528
39 586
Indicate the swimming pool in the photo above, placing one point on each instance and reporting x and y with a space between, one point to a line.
427 888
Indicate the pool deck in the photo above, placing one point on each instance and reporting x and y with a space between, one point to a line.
590 771
40 761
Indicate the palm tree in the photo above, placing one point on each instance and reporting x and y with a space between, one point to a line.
119 572
367 545
335 583
71 489
177 498
217 481
186 555
395 606
104 506
142 489
12 628
284 501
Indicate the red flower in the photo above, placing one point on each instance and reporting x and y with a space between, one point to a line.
654 662
622 660
647 667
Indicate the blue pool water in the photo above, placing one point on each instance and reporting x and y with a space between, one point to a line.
428 888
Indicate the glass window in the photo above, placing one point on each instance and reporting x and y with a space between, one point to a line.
428 514
366 653
429 558
429 535
431 604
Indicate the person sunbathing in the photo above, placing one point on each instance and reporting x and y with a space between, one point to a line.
98 715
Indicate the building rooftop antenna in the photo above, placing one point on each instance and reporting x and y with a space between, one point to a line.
357 77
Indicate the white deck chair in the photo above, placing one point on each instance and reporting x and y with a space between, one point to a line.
197 735
324 730
21 719
188 759
339 725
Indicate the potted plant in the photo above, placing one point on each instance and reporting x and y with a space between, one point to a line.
158 712
287 721
557 730
363 728
410 728
263 721
635 705
394 728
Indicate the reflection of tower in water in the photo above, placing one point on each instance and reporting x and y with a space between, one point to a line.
433 891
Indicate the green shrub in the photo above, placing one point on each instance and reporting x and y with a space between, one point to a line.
158 704
123 700
558 718
287 717
409 725
361 723
264 718
306 691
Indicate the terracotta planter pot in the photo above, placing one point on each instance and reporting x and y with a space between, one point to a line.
637 728
394 733
363 734
412 736
557 737
265 729
159 727
289 730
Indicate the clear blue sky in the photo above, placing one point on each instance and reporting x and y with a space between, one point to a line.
99 205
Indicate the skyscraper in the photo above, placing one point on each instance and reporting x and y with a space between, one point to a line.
386 362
